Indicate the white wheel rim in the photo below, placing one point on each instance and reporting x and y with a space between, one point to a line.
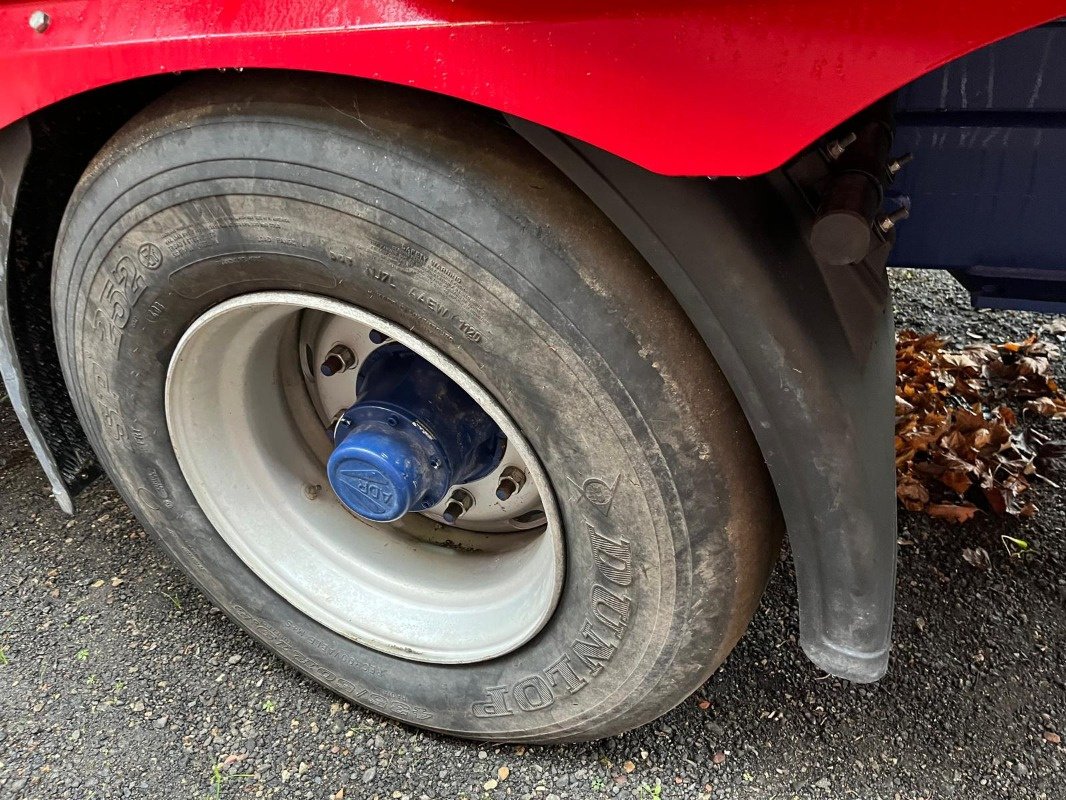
249 437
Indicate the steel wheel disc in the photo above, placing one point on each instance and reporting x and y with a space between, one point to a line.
249 420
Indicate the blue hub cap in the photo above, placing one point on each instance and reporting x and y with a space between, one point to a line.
412 434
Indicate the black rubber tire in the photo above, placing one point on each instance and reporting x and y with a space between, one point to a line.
249 183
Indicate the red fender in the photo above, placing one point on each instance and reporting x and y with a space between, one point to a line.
682 87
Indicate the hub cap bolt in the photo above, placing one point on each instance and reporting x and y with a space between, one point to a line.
511 481
339 359
458 504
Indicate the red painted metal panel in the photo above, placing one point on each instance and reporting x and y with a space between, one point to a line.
712 87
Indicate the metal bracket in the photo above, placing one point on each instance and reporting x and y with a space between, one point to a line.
809 351
15 146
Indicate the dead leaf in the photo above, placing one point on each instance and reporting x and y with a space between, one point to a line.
977 557
1047 406
911 493
958 447
956 480
1051 451
952 513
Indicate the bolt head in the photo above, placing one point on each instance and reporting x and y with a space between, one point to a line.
40 21
836 148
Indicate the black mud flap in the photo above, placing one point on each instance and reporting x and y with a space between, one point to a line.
15 149
809 351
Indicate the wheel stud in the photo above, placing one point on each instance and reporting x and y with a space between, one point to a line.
339 359
458 504
511 481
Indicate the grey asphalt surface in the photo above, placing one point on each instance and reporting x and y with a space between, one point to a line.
118 679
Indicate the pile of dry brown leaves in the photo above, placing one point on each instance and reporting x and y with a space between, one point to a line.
959 447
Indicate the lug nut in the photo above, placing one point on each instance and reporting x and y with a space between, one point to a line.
339 359
458 504
511 481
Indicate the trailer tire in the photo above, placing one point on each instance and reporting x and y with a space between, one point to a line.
435 216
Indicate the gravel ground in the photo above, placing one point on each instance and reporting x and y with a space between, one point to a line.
117 679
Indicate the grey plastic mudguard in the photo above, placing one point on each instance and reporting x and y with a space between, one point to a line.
809 352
